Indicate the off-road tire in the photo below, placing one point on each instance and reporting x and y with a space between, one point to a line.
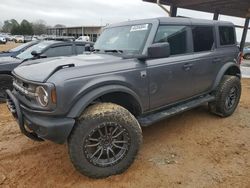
6 82
219 106
91 119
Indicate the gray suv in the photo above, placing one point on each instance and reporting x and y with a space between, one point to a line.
139 73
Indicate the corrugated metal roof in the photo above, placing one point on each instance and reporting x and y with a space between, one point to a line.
238 8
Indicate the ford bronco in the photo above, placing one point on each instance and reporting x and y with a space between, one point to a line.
139 73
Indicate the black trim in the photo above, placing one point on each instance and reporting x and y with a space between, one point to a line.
15 109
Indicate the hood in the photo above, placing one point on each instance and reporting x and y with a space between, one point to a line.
9 60
9 63
5 54
40 70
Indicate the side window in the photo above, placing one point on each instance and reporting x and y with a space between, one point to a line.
203 38
176 36
227 36
80 49
59 51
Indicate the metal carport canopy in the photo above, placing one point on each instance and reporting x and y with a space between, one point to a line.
238 8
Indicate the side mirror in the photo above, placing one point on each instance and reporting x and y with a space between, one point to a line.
159 50
35 53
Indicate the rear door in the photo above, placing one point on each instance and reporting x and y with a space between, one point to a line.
205 59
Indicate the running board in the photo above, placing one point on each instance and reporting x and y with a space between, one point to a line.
158 116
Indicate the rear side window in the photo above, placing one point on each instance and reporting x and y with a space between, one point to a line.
176 36
203 38
59 51
227 36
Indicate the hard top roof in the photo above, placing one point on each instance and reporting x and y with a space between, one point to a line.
174 20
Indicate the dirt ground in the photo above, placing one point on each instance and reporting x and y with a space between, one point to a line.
9 45
193 149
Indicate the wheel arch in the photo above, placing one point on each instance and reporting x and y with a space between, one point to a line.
117 94
228 69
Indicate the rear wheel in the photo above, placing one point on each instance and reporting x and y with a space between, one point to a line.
105 141
227 96
5 83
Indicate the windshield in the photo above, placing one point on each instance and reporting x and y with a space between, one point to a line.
16 49
128 39
38 48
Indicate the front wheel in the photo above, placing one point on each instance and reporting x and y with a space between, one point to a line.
104 141
227 96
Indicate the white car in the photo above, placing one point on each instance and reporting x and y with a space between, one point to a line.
2 40
19 39
83 38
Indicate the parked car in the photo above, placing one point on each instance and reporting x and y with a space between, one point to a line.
140 73
3 40
7 36
246 53
59 38
17 50
19 39
43 49
11 37
27 38
83 38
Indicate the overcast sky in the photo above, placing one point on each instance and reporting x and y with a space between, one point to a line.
91 12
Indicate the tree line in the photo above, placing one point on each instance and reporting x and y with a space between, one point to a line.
24 27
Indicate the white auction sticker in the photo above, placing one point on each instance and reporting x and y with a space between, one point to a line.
139 28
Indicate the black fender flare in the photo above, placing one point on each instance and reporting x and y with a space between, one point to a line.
222 72
94 94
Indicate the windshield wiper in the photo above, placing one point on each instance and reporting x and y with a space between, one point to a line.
114 51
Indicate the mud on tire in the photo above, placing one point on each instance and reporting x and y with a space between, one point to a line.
227 96
104 141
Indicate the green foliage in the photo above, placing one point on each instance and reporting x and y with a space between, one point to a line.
8 25
13 27
25 28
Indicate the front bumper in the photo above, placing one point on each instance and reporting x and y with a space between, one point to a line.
39 127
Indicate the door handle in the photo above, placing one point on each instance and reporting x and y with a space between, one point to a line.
188 66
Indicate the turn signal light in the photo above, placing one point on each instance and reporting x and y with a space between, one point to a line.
53 96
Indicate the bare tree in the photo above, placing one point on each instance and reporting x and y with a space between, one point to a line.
39 27
1 26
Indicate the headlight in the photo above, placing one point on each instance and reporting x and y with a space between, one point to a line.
42 96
